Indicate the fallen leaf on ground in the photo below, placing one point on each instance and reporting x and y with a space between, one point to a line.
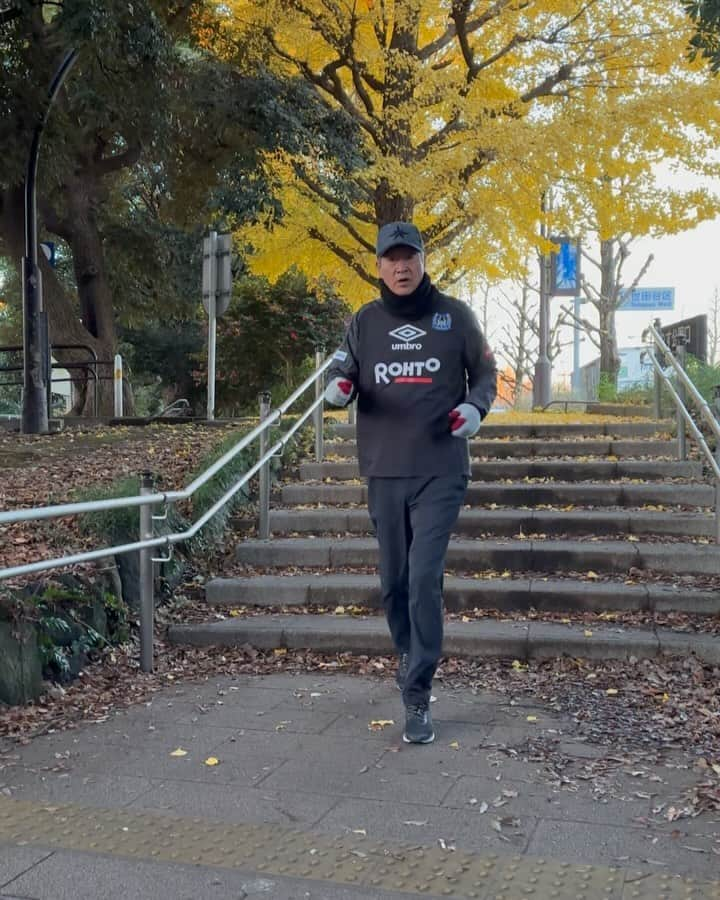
379 724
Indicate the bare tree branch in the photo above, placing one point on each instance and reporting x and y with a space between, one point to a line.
342 254
345 225
643 270
328 81
470 27
586 325
319 191
114 163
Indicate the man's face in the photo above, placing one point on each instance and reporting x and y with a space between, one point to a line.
402 269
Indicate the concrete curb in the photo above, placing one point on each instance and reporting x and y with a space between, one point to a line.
479 555
536 447
474 522
471 640
490 429
523 494
567 470
543 595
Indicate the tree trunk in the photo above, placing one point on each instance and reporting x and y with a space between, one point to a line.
396 138
609 289
96 306
94 328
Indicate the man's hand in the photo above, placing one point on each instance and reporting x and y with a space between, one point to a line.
339 391
464 420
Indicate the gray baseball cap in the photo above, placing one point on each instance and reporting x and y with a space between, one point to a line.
399 234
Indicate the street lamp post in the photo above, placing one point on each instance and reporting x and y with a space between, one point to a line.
36 364
543 366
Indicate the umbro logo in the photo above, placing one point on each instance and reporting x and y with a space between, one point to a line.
407 333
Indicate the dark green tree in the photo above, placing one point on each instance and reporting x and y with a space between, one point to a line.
150 139
267 338
706 41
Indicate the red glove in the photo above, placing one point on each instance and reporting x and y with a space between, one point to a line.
339 392
464 420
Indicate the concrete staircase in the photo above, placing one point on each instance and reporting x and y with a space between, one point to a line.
584 539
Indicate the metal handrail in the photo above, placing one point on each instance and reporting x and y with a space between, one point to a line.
70 509
705 409
148 498
91 365
575 402
174 407
684 414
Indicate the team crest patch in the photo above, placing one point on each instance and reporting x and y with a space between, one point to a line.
442 322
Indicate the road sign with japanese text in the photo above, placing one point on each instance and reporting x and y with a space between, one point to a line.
648 299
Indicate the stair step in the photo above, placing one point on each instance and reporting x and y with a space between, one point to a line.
569 470
543 595
476 639
547 430
512 555
524 494
504 449
475 522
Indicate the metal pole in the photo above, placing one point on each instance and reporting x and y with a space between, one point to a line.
543 368
35 363
352 413
212 325
681 353
318 414
118 386
147 599
264 489
576 349
716 393
657 380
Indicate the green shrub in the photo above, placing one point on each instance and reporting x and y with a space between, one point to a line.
120 526
607 389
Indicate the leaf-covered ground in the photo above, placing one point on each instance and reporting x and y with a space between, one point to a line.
49 469
639 714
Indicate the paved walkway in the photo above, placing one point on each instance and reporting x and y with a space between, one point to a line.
307 801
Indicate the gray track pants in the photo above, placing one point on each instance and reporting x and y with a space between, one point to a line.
413 518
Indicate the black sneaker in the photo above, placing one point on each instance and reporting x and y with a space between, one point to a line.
418 724
402 670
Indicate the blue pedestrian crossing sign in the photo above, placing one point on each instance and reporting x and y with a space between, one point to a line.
647 299
48 248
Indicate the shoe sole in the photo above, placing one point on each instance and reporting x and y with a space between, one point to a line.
427 740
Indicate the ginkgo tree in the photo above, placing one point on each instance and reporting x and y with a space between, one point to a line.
613 196
453 99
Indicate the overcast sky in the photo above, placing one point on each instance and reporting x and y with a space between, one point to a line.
688 262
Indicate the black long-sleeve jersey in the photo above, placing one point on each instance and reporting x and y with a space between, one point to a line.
408 375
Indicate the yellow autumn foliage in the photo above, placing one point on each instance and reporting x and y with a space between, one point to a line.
468 111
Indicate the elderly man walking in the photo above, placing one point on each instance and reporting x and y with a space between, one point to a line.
424 378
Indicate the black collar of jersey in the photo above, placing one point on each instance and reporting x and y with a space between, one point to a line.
412 306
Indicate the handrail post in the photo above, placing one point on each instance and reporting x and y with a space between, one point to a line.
657 380
681 356
118 387
318 416
147 599
716 410
352 413
717 503
264 487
